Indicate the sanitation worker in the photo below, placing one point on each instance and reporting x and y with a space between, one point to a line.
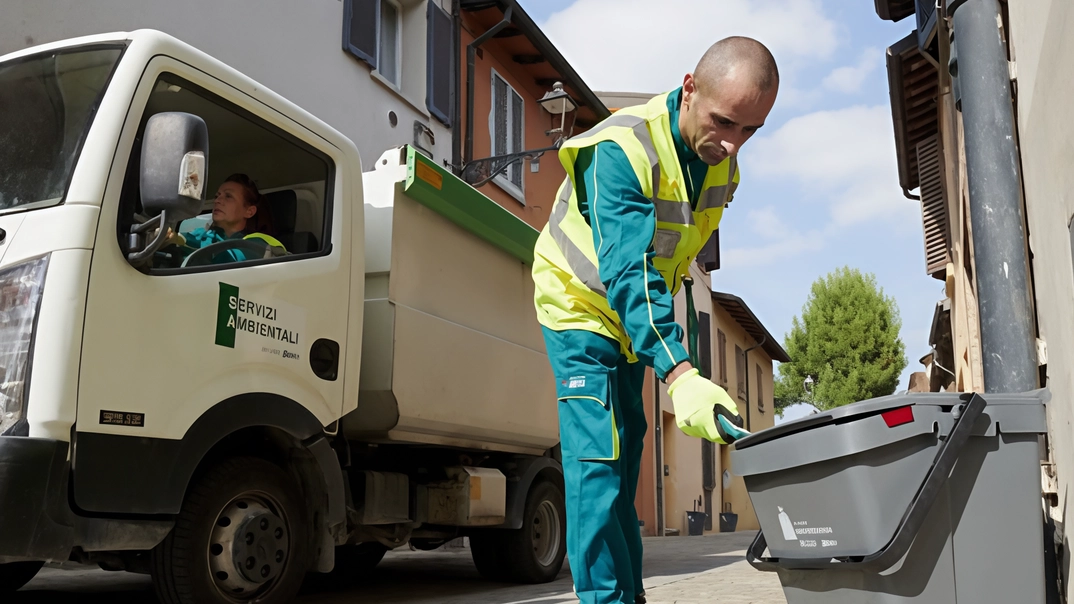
645 189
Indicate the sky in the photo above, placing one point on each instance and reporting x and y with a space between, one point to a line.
819 183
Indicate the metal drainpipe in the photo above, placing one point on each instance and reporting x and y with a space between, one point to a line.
658 446
456 109
746 362
999 241
471 56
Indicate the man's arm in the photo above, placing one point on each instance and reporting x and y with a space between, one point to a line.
624 224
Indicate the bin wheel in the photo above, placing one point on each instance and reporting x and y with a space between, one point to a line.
533 553
14 575
241 536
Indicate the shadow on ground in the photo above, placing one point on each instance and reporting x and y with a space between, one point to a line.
441 577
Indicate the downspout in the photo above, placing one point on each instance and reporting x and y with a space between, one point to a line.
456 108
658 445
1008 342
746 362
471 56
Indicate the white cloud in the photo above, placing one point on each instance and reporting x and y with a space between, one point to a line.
788 245
767 223
845 157
644 46
849 79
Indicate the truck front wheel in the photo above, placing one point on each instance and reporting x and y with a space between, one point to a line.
241 536
533 553
14 575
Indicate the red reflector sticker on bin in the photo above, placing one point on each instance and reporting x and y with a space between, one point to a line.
898 417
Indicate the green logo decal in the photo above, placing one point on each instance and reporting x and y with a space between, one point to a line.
226 314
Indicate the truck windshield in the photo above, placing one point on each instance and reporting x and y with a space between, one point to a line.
47 102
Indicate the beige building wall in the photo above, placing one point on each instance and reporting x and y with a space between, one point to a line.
682 455
1042 50
760 410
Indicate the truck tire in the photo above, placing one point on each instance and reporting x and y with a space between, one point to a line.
14 575
242 535
532 554
486 549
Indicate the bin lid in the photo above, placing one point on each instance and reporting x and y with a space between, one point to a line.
1013 419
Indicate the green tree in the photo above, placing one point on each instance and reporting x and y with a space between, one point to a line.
847 340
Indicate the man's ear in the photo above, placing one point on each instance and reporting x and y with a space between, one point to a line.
689 87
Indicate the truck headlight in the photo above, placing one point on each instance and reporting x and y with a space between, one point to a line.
20 299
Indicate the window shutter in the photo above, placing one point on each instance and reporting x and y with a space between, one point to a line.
740 372
439 65
760 391
709 256
721 351
933 207
704 345
360 19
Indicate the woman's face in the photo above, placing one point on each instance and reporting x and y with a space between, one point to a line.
230 209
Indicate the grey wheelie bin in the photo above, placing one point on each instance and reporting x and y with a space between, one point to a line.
907 498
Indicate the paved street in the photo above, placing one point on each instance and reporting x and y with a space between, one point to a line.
679 570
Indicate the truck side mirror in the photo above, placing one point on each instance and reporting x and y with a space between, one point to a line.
175 149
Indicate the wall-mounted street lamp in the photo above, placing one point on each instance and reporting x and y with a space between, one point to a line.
557 102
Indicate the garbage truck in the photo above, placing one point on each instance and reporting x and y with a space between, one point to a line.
230 418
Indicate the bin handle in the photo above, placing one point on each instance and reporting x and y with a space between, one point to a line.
911 521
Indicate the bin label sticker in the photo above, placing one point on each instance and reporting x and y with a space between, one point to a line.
785 524
798 530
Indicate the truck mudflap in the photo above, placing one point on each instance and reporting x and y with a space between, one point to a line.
35 521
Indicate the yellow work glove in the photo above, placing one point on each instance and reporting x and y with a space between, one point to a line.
705 410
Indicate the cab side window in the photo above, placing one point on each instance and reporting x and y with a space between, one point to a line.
266 195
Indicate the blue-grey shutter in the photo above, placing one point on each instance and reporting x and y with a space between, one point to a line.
360 19
440 64
709 256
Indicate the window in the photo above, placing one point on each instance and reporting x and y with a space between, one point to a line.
372 31
721 350
388 37
395 38
291 179
704 347
506 126
760 390
440 87
740 371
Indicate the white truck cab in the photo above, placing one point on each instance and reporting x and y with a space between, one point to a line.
368 375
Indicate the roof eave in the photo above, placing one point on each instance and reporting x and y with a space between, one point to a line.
769 343
521 19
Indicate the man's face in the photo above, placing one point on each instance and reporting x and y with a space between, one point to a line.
716 123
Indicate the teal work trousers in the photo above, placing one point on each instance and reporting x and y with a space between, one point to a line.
601 426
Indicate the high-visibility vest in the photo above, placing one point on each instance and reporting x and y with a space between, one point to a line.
569 293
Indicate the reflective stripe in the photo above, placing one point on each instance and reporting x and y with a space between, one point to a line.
579 264
675 212
621 120
716 197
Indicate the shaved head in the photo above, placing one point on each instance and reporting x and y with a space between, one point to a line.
727 98
740 57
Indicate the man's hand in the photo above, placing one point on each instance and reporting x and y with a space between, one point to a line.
705 410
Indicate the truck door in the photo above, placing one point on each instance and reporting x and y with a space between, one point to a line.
219 331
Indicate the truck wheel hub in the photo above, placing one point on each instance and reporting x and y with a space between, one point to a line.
249 546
